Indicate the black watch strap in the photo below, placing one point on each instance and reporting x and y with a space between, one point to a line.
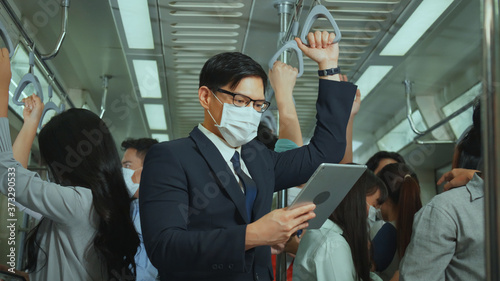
328 72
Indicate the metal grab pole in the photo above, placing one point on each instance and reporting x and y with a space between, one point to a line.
491 133
285 10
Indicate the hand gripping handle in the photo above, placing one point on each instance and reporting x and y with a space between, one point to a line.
315 13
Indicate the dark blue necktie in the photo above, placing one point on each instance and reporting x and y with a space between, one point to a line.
248 184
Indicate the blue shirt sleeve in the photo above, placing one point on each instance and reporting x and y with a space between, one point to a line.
283 145
384 247
144 269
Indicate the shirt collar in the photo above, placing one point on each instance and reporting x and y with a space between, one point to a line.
475 187
224 148
330 225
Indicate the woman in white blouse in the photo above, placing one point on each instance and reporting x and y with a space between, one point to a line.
339 249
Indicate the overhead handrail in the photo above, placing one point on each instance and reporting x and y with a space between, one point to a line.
28 78
50 105
409 112
6 38
316 12
64 27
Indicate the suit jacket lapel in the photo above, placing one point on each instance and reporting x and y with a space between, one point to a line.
225 177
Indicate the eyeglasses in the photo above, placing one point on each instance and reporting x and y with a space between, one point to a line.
242 101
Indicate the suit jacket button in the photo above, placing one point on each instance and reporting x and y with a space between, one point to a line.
230 266
221 266
214 266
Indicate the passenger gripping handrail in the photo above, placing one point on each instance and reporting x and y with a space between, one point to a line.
6 38
50 105
316 12
28 78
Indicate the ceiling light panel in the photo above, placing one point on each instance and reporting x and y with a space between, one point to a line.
146 73
155 113
415 26
371 78
136 23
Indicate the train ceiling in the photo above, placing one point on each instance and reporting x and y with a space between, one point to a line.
154 53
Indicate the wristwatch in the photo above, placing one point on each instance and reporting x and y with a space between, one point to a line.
330 71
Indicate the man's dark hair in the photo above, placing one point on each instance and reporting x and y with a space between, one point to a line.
230 68
141 145
266 136
373 162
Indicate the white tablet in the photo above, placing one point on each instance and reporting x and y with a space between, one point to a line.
326 188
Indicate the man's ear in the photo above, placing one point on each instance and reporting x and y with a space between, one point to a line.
204 95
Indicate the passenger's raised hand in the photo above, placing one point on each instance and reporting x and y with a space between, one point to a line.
456 178
33 109
282 77
321 49
5 75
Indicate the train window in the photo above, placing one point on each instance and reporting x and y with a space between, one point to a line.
464 120
401 135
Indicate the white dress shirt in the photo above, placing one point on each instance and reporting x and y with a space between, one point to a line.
227 152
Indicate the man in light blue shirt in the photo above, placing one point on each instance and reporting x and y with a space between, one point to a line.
132 162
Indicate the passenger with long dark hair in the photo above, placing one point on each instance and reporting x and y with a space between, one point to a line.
339 249
389 245
86 232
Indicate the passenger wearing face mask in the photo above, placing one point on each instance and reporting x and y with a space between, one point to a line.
132 162
205 199
375 197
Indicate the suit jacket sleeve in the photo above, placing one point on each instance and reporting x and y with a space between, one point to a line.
294 167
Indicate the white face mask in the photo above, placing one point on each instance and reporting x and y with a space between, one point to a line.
374 214
131 186
238 125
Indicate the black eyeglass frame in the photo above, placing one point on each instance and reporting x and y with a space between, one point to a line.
264 102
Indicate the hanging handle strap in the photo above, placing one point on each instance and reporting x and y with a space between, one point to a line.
289 45
28 78
317 12
6 38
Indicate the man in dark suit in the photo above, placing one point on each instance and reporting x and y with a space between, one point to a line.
204 209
